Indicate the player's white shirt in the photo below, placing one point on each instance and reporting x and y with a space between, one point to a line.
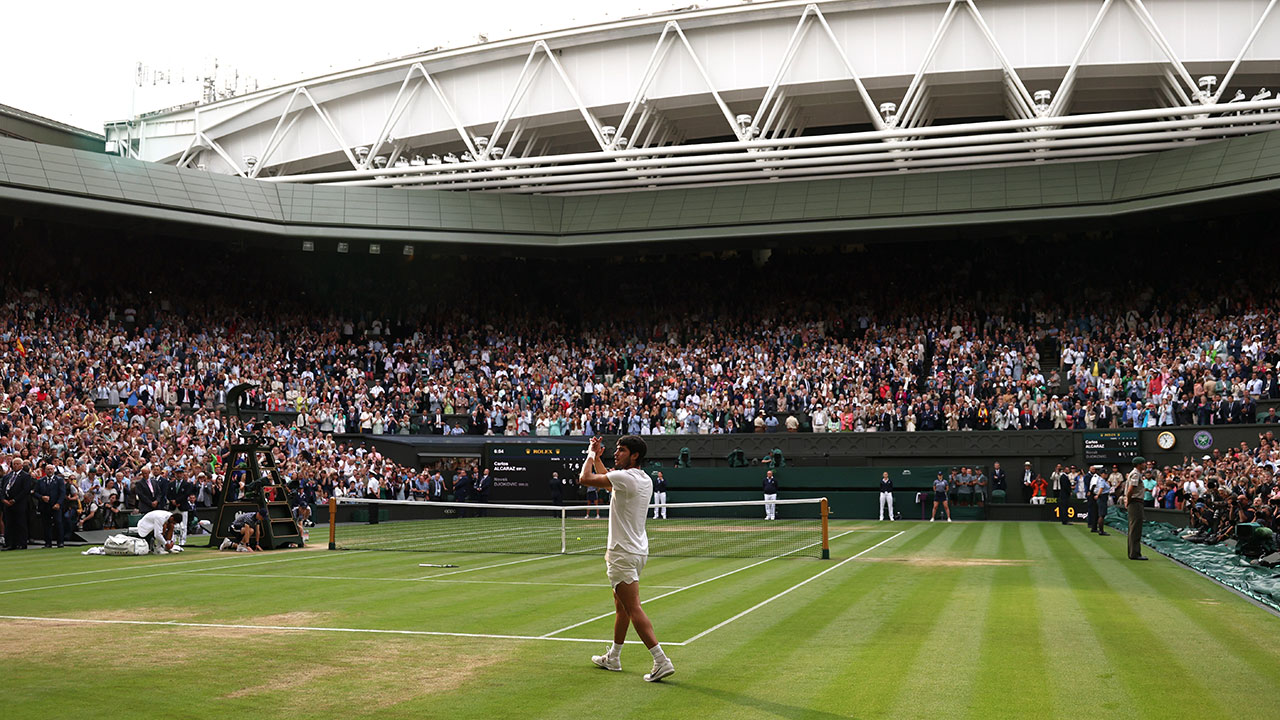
628 509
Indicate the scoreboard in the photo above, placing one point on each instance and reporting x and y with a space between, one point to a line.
1110 446
522 471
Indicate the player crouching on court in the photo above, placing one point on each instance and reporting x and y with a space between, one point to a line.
156 527
627 548
247 528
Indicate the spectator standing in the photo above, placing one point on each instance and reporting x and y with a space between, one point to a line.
51 496
16 497
1062 488
999 484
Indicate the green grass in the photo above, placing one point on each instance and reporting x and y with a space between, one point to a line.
974 620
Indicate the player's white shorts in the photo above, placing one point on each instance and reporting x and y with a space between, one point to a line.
623 567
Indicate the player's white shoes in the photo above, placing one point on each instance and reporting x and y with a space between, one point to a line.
661 669
608 662
226 544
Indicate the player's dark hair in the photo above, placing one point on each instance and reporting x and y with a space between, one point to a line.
636 445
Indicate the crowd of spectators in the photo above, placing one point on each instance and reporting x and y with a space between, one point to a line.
1223 489
116 366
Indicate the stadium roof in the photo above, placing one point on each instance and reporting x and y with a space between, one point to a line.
42 179
23 125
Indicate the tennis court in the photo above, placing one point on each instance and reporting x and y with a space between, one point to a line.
904 619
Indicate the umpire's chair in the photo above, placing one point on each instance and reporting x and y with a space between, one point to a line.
252 462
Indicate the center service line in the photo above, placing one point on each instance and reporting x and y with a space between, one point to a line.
802 583
702 582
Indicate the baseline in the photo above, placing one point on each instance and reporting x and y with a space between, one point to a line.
292 628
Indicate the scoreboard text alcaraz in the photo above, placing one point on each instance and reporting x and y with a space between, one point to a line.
522 471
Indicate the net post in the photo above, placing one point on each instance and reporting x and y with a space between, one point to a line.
826 540
333 523
563 546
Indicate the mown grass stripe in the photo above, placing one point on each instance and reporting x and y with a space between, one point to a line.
952 651
1166 589
1010 669
876 674
1133 642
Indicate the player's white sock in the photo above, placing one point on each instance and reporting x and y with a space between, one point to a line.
658 655
615 650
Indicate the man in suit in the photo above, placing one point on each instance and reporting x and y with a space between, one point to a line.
51 495
15 496
483 485
557 489
999 484
1061 480
149 491
462 485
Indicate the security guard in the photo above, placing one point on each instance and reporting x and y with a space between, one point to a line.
1133 492
1099 491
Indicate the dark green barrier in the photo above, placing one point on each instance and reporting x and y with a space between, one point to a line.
801 478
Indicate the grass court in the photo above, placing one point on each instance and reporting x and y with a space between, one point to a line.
908 619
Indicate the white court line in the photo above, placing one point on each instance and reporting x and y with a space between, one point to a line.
686 587
486 567
140 566
802 583
386 579
513 562
306 556
297 628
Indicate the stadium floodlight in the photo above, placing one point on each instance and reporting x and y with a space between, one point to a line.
1207 83
362 152
607 132
481 142
434 159
201 166
402 163
889 111
408 251
1042 98
621 142
1238 97
380 161
1262 94
450 158
417 161
496 153
343 247
308 246
375 249
250 162
468 157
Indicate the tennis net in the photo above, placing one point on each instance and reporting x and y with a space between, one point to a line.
723 529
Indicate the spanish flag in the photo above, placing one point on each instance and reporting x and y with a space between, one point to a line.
21 350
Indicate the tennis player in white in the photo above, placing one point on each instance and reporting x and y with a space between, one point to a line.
628 547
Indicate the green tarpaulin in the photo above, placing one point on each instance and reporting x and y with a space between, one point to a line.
1217 561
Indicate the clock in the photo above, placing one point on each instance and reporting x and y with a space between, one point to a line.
1165 440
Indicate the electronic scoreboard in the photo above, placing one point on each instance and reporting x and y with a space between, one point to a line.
1110 446
522 471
